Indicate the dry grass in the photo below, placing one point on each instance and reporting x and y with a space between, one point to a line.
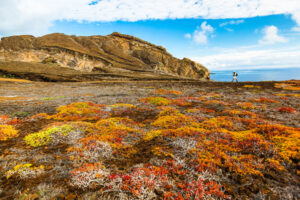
14 80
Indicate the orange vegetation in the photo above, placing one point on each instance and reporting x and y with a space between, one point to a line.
180 148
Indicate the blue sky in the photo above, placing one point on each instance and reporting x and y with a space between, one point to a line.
221 34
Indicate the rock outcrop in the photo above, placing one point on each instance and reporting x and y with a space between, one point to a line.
94 58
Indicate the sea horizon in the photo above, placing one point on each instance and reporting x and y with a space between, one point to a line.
255 75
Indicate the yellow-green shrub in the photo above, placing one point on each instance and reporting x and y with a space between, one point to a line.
172 121
168 111
7 132
157 101
152 134
20 168
289 146
79 111
45 137
124 105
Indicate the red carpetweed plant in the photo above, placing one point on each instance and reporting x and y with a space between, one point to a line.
88 176
4 119
146 181
264 100
286 110
162 91
246 105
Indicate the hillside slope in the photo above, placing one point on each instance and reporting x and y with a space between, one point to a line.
113 56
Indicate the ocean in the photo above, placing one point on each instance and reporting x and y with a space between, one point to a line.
258 74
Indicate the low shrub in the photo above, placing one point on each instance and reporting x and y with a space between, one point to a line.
25 171
7 132
52 134
264 100
157 101
286 110
80 111
88 176
162 91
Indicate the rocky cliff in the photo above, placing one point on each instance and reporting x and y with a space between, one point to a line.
93 57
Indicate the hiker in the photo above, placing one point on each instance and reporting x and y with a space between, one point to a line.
235 77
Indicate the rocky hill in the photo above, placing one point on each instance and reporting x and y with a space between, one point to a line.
59 57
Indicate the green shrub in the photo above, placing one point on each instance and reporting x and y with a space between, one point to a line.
45 137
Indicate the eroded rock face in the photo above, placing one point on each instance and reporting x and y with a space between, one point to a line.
115 54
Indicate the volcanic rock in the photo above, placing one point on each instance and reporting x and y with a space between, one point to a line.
60 57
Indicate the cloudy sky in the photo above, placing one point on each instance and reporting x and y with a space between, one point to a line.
221 34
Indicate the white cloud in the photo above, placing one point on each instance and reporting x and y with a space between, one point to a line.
296 17
271 36
229 29
200 37
296 28
188 36
206 27
31 16
36 16
232 22
252 59
201 34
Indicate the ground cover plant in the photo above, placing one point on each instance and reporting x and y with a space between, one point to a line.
168 143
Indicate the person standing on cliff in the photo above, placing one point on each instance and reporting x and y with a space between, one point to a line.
235 77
